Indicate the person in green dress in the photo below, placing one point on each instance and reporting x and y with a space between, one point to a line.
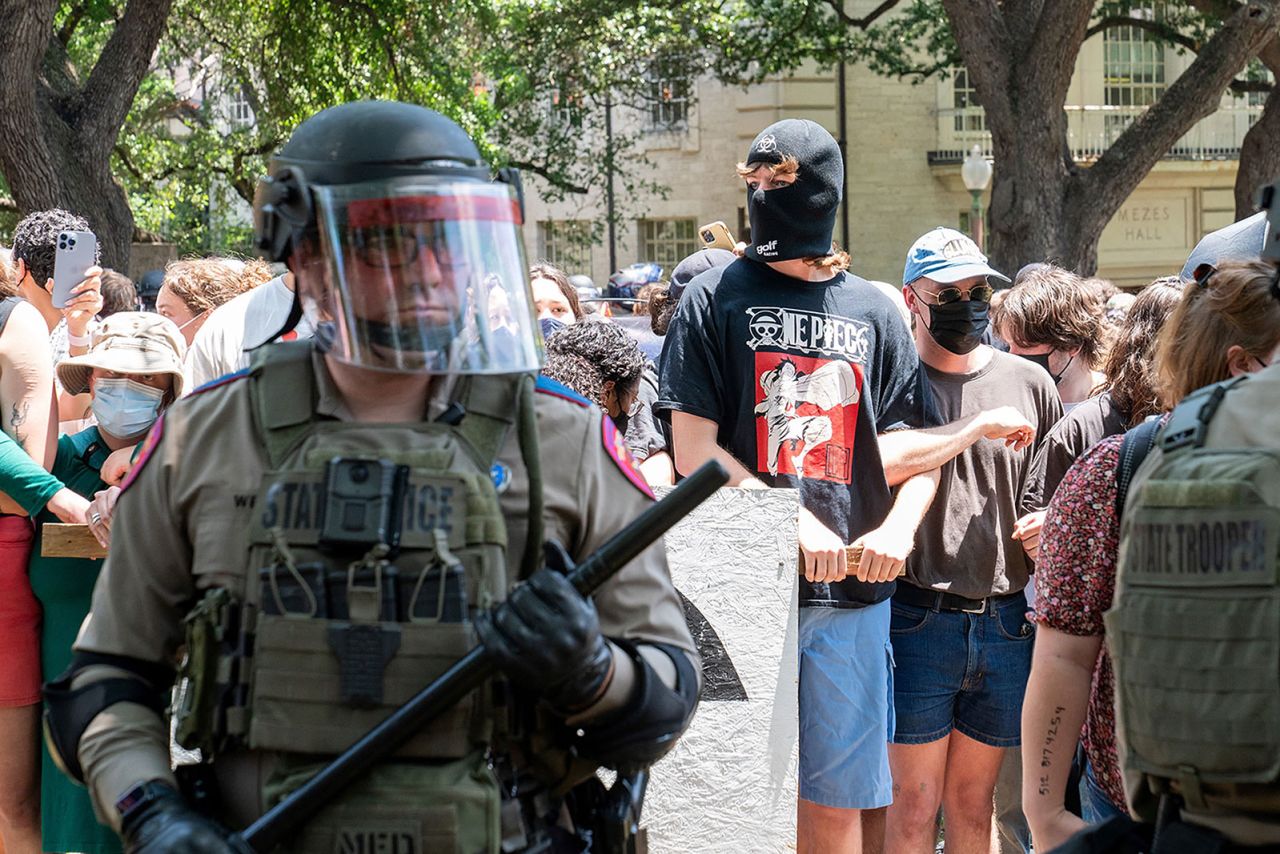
132 372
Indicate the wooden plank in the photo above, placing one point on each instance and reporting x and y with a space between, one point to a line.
852 557
61 540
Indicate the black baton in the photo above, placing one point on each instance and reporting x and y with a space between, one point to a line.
465 675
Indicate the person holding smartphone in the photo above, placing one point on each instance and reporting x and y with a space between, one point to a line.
26 414
70 325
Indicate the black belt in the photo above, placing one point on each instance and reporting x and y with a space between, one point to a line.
940 600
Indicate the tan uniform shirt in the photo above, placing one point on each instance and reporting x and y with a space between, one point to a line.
180 529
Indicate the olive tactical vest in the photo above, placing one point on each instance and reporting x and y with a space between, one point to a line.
328 638
1194 631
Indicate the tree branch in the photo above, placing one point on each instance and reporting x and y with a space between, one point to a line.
68 28
546 174
983 40
866 20
27 161
1158 28
783 38
1188 99
119 71
1051 54
1241 87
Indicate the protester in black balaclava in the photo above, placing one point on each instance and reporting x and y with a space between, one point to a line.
787 369
794 220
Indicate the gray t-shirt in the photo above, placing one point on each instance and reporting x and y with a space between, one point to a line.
965 544
1079 430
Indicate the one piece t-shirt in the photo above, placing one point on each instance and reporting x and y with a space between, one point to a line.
800 377
965 544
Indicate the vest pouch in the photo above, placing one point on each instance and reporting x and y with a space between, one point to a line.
208 675
402 807
301 696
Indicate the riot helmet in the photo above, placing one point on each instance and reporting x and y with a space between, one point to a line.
407 254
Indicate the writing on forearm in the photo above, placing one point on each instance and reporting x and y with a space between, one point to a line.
1046 751
17 418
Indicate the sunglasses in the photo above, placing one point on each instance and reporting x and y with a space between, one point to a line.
946 296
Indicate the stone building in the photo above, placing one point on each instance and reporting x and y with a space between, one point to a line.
904 146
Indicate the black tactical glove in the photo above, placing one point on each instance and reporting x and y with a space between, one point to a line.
164 824
546 638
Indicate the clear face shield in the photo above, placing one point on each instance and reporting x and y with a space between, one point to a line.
421 275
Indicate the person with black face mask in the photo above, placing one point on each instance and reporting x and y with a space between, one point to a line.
961 600
1053 318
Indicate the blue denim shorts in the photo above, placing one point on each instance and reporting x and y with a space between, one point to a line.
961 671
846 706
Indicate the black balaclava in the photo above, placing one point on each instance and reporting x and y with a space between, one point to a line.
796 221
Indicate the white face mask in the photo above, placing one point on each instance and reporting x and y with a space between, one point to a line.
126 408
193 320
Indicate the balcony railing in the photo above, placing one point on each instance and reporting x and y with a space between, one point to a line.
1092 128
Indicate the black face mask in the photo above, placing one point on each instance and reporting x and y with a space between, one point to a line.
787 224
1042 359
621 421
959 326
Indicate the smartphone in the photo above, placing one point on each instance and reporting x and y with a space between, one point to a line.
716 235
77 252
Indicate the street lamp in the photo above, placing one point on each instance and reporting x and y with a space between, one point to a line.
976 174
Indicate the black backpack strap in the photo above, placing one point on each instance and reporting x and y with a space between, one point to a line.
1138 442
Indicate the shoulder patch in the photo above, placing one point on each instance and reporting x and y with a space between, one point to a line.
144 453
616 448
221 381
546 385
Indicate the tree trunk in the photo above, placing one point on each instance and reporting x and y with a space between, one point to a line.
56 136
1259 153
1021 57
1259 157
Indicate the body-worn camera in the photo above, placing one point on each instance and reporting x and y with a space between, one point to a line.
363 504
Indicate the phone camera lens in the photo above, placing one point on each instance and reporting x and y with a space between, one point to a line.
359 473
71 243
706 235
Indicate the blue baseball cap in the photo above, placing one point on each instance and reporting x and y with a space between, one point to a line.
945 255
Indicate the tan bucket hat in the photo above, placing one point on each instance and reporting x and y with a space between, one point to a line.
128 342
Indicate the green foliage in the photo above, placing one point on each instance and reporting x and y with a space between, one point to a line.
530 80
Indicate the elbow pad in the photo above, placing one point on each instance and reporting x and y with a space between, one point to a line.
647 727
69 711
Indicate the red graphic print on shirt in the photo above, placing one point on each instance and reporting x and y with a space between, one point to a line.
806 415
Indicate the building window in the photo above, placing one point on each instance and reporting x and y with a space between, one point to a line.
239 110
969 117
668 98
1133 72
667 241
566 244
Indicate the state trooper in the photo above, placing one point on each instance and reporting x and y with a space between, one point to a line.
305 544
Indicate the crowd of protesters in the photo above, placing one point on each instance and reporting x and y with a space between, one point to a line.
80 386
961 458
957 475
